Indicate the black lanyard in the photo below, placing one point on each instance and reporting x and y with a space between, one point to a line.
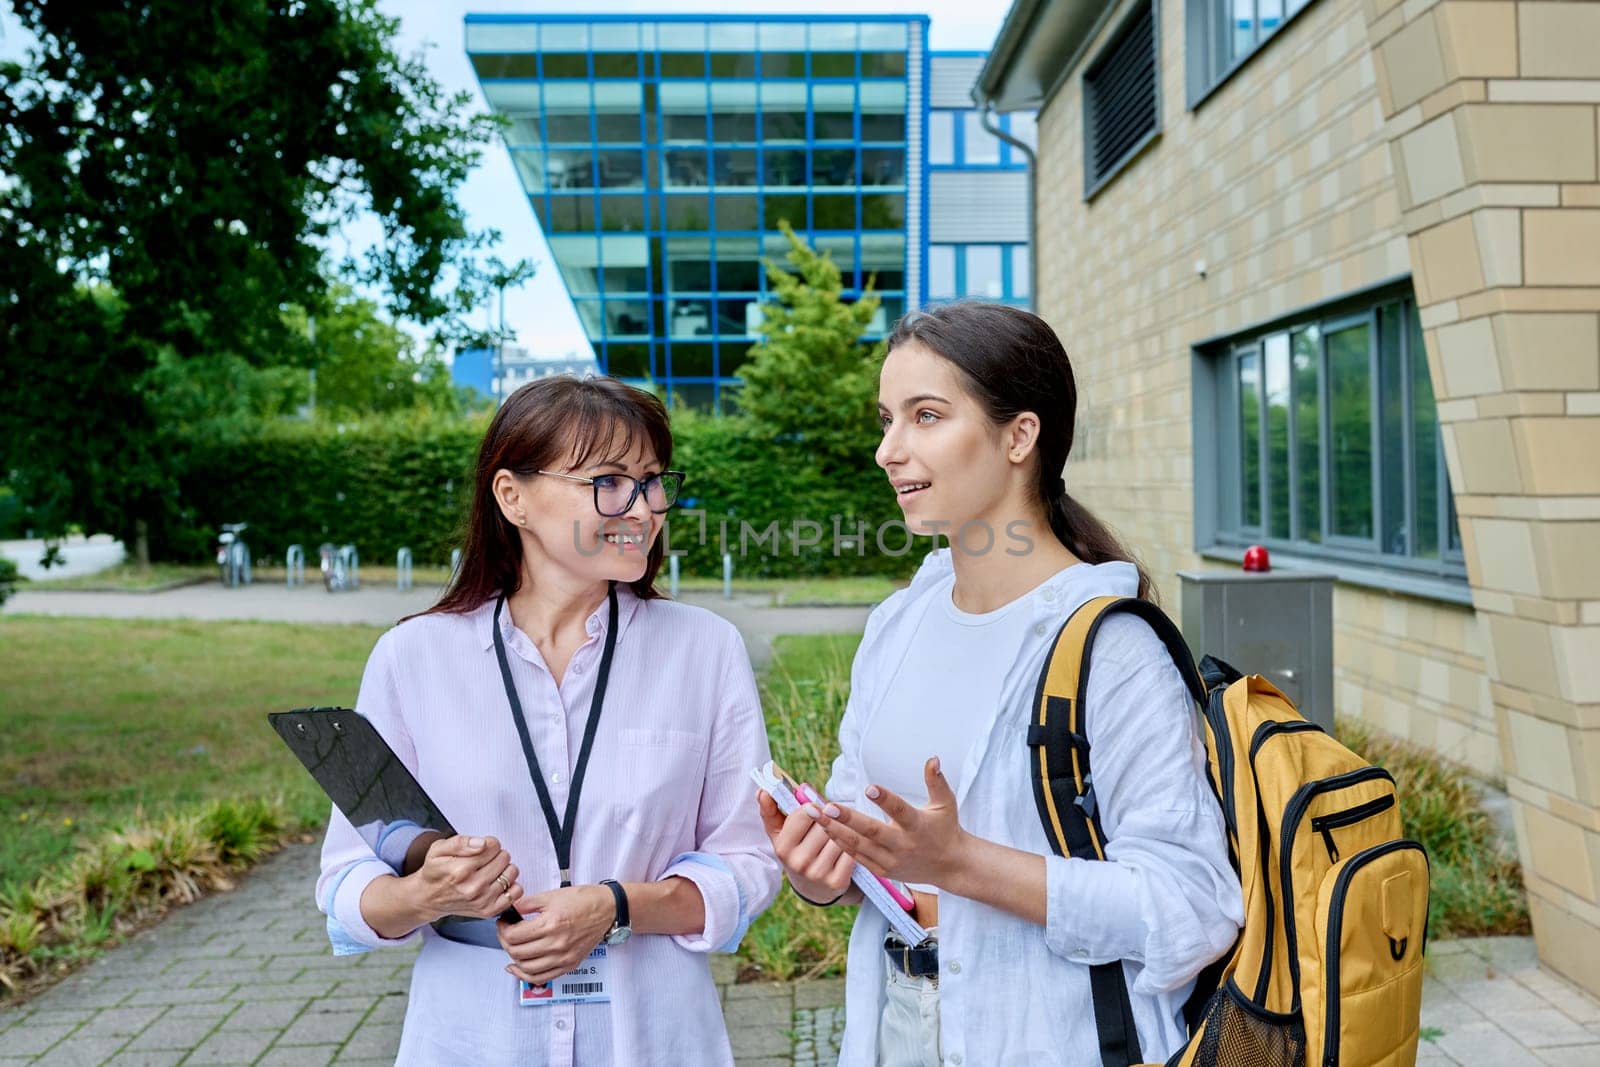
560 834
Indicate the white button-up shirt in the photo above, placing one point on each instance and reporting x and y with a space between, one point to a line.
667 793
1165 903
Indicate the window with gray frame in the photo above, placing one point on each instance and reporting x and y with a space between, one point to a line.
1222 34
1328 443
1121 98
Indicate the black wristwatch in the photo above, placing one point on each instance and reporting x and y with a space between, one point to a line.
620 930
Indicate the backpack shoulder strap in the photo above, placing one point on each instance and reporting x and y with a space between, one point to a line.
1063 781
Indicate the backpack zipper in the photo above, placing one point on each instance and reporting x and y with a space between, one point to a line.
1330 1039
1291 822
1263 834
1326 824
1273 727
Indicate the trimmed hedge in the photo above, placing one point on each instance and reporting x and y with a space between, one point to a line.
377 485
383 485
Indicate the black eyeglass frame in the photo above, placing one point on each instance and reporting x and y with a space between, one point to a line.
638 488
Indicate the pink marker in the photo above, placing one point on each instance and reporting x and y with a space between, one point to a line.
900 894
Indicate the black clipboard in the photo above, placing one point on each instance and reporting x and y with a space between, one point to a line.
363 777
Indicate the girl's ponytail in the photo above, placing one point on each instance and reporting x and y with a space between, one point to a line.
1014 362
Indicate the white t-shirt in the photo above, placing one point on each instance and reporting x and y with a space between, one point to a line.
945 695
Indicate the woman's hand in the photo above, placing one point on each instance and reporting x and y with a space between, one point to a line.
925 844
818 868
465 876
563 926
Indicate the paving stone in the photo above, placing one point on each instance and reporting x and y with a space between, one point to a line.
216 1011
761 991
1561 994
271 1015
761 1041
319 1028
1484 1043
1497 996
146 1058
1571 1055
232 1046
55 1013
31 1039
1443 1010
302 1056
822 993
81 1051
173 1032
1541 1028
180 995
121 1022
373 1039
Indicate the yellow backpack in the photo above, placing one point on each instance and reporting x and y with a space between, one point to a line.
1328 968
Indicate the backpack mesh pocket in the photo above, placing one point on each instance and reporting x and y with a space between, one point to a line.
1239 1034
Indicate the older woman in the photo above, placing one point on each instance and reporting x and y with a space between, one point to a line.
592 739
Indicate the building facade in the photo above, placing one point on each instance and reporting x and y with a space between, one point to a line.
475 368
660 155
1330 275
978 192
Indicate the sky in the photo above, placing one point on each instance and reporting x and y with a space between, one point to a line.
540 312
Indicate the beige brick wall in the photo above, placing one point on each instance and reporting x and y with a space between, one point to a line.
1282 183
1492 110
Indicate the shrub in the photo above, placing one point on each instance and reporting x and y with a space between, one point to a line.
8 579
405 482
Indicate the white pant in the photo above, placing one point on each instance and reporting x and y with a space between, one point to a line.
908 1033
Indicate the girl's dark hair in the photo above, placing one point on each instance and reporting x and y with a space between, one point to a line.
592 419
1013 362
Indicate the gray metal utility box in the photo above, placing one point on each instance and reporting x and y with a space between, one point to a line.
1278 624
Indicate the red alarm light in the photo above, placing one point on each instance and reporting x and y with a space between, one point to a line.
1256 559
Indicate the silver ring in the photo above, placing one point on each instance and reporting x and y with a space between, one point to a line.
505 886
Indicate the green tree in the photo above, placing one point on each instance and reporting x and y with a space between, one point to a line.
811 377
171 170
367 365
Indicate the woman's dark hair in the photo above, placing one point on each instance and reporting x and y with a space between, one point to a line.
1013 362
594 420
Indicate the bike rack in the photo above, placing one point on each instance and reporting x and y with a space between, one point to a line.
727 576
294 561
402 566
455 563
340 567
672 575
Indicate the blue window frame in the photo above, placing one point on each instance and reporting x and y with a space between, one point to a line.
957 140
984 271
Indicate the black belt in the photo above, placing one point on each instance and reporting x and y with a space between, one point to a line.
921 961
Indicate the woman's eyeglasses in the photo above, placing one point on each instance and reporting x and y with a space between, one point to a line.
614 494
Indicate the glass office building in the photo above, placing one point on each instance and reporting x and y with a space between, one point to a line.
659 155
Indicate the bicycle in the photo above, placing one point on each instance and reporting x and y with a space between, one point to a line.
233 555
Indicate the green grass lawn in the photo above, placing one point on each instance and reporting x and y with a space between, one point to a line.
795 592
104 718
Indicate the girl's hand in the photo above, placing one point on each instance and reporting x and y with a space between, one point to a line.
818 868
925 844
562 928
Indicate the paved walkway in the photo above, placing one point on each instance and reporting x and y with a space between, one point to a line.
247 977
78 555
382 605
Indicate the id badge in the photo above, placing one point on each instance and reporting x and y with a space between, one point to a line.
586 984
